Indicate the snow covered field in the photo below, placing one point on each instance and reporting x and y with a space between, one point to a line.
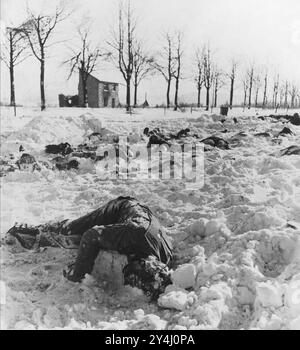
240 266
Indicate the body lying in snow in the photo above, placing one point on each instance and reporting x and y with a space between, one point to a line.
159 137
62 148
285 131
216 141
293 119
122 225
292 150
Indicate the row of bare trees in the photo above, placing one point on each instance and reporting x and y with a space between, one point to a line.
127 51
282 93
210 76
32 38
255 82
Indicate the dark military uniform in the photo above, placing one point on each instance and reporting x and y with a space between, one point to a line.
123 225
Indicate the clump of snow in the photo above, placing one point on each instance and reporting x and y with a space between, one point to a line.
109 268
292 295
269 294
210 314
184 276
204 227
198 227
154 322
217 291
176 298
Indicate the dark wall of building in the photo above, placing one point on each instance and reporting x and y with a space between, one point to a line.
92 90
108 94
100 93
68 101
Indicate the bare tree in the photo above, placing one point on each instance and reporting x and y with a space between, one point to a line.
298 100
245 82
286 93
257 87
281 95
38 29
208 72
12 53
178 66
218 82
143 66
232 77
84 59
293 91
122 42
265 98
275 90
165 64
199 76
250 74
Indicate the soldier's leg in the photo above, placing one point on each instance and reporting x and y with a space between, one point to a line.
105 215
126 239
66 233
45 235
89 248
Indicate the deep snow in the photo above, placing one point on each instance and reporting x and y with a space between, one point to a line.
238 269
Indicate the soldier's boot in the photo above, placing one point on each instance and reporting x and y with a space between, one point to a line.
32 237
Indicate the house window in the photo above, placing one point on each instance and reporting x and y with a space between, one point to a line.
115 87
106 87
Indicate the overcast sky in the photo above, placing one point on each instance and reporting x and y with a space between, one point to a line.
263 31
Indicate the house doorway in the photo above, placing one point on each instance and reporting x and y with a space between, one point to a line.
105 102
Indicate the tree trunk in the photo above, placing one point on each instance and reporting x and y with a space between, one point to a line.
216 97
176 94
128 101
231 93
273 100
11 71
199 96
85 93
207 99
280 100
265 93
42 83
245 98
135 94
256 98
286 99
168 93
12 86
250 94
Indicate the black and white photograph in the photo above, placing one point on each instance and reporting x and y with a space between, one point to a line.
150 167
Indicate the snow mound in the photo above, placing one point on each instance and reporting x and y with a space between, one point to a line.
176 298
43 130
237 239
184 276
